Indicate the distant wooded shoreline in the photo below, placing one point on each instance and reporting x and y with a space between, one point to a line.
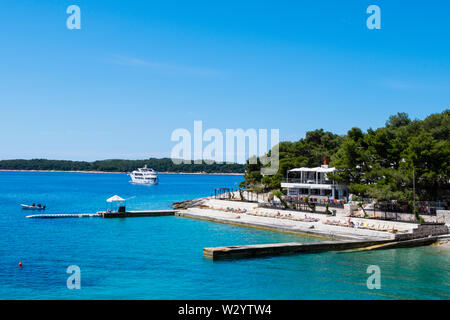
163 165
187 173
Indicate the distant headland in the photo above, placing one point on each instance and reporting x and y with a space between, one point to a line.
163 165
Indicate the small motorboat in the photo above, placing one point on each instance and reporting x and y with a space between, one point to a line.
32 207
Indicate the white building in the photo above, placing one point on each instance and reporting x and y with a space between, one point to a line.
313 183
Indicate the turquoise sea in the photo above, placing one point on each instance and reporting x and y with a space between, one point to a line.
161 257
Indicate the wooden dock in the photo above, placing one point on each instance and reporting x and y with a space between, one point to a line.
144 213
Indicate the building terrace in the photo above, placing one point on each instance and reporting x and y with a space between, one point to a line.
314 182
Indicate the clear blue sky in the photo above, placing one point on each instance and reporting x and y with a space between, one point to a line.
137 70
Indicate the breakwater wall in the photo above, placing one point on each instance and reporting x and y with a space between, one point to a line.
258 250
274 249
424 230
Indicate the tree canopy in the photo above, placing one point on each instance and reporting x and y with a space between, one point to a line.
377 163
306 152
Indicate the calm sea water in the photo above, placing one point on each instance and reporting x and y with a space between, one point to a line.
161 257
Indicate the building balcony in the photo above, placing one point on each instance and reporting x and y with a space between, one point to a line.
304 181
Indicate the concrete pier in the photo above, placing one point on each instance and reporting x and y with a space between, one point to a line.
103 214
257 250
401 244
145 213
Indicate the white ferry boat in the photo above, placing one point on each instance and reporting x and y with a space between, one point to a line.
144 176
